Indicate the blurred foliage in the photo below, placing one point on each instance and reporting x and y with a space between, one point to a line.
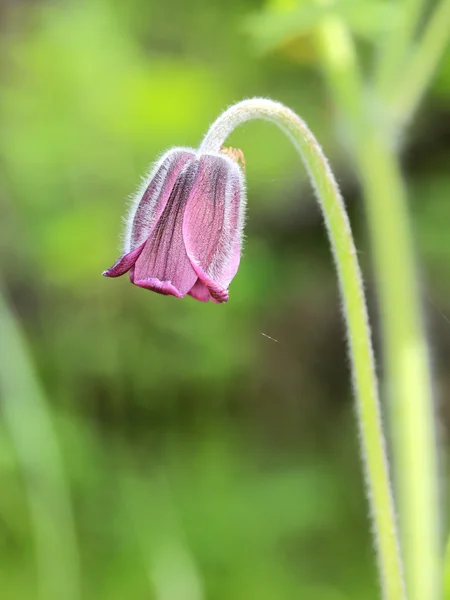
203 459
285 21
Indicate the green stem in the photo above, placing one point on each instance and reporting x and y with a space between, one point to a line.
399 39
447 571
341 70
407 368
359 337
29 422
422 65
405 348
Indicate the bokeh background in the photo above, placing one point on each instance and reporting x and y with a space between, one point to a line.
182 451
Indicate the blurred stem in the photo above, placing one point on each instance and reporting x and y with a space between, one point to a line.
29 422
168 560
447 571
364 378
408 377
397 45
341 70
405 348
408 92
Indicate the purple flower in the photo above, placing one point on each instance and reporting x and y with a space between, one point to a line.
184 230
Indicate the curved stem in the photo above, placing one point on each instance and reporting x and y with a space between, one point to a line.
355 311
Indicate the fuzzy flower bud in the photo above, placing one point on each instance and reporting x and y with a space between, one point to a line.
184 230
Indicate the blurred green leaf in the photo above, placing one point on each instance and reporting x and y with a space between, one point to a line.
191 443
278 25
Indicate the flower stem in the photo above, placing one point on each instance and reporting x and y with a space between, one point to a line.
408 379
355 311
406 358
396 47
422 65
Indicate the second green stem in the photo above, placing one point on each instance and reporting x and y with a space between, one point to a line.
407 368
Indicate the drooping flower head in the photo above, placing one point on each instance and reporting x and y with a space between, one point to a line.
184 230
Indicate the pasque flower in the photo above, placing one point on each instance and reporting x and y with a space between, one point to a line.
184 237
184 230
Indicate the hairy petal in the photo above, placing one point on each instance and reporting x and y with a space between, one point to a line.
161 287
153 195
163 265
124 264
212 223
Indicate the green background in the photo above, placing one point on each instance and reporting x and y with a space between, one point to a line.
209 451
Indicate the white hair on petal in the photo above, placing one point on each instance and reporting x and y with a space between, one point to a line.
224 251
136 197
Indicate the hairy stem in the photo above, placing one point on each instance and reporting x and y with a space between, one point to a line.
408 378
406 359
354 307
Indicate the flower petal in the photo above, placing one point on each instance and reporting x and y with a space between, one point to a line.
152 197
212 223
163 264
161 287
199 292
125 263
